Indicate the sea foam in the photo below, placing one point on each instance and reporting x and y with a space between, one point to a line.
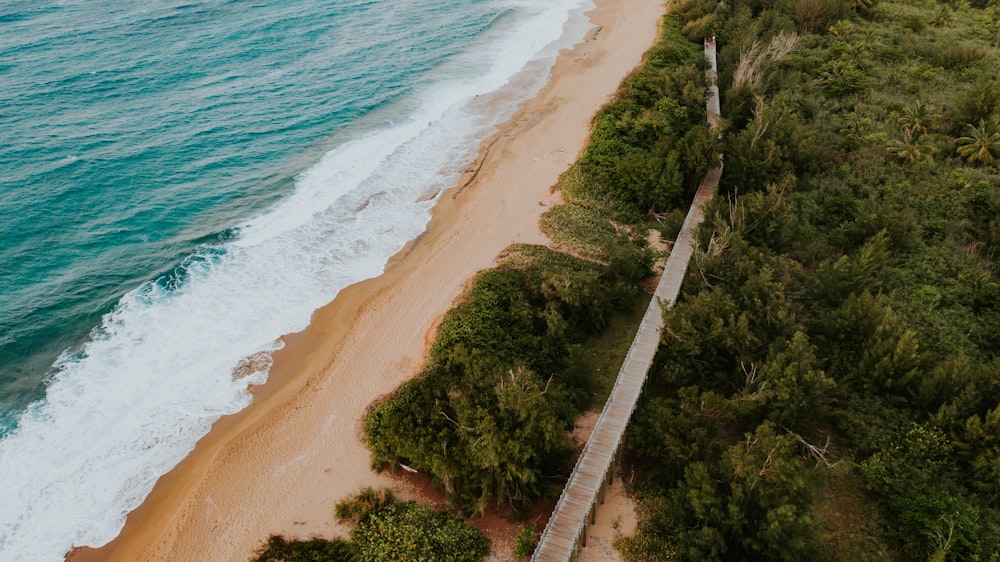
169 360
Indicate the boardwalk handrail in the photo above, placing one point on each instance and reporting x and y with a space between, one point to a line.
561 538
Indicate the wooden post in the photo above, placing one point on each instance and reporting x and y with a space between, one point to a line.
593 513
584 534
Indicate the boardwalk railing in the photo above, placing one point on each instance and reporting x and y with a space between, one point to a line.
566 531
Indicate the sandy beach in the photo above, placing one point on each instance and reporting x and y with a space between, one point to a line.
281 464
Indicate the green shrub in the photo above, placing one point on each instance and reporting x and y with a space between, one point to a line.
410 531
842 77
815 15
526 542
280 549
386 530
638 153
961 55
851 303
366 501
979 101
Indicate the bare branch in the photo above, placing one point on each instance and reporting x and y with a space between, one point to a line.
752 374
818 453
458 425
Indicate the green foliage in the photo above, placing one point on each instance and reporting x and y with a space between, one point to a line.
918 119
280 549
982 210
367 500
491 433
584 231
675 431
385 530
649 147
961 55
815 15
981 101
410 531
863 7
841 279
751 504
982 144
912 148
488 416
981 439
837 297
776 144
930 518
788 388
525 542
841 77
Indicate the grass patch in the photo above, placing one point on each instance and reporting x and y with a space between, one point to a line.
606 351
849 520
585 232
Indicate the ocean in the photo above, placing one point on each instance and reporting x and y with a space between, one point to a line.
184 181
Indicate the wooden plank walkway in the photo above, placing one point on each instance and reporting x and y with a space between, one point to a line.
566 531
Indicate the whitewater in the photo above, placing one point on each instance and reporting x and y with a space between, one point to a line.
161 230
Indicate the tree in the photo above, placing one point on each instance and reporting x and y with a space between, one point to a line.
982 144
490 433
911 149
917 119
750 504
669 433
788 388
911 476
981 446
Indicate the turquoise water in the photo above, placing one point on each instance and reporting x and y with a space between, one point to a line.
132 134
181 183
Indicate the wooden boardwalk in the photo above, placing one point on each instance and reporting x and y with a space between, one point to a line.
566 531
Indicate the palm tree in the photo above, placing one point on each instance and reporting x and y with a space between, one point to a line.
917 119
982 145
911 149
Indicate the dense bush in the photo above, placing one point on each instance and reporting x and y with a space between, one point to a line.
650 147
488 416
838 323
410 531
386 529
280 549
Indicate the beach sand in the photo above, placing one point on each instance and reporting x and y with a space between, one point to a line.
281 464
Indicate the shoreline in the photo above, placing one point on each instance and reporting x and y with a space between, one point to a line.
279 465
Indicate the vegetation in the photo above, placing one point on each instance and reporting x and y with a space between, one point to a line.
488 418
280 549
828 385
526 542
651 146
489 415
386 530
835 354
